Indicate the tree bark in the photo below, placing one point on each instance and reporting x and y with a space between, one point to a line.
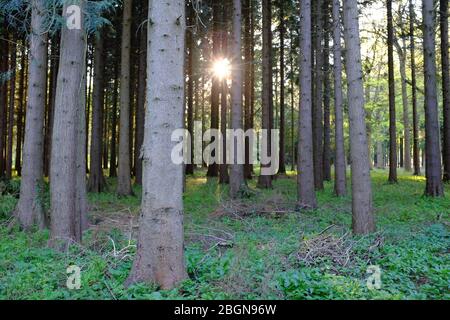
237 181
434 186
305 176
445 87
140 112
160 251
20 110
317 115
265 181
282 169
363 220
340 183
67 183
29 208
124 169
12 101
213 168
326 95
416 150
115 96
392 114
96 182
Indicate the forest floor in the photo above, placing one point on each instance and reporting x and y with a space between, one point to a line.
258 248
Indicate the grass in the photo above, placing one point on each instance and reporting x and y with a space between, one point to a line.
251 256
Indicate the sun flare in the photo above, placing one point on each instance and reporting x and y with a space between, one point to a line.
222 68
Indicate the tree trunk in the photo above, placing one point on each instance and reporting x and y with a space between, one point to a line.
363 220
265 181
4 51
406 159
237 181
160 251
29 208
445 87
140 111
326 95
434 186
68 138
306 193
416 150
317 121
392 114
282 169
339 161
12 101
20 110
96 182
213 168
246 11
113 158
124 170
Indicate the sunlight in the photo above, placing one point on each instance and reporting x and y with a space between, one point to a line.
222 68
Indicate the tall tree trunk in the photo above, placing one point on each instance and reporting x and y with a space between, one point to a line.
339 157
363 220
96 182
237 181
190 85
305 175
326 94
282 169
434 186
124 170
4 51
392 114
265 181
12 101
246 11
29 208
445 87
213 168
406 159
160 251
67 184
20 110
224 177
318 95
416 150
115 96
140 111
291 80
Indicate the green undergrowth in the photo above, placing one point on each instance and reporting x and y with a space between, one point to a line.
251 249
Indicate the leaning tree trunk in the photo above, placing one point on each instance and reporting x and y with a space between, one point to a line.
305 176
434 186
237 181
363 220
445 87
265 181
67 148
160 251
29 209
339 158
124 169
96 181
416 150
392 115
